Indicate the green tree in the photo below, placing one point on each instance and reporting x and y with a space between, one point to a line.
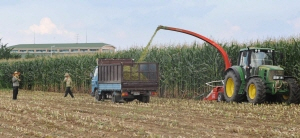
5 52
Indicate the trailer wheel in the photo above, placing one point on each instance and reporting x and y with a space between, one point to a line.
256 91
144 99
293 95
93 93
232 86
128 100
98 97
115 98
221 97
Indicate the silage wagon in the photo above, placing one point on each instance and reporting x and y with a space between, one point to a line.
123 80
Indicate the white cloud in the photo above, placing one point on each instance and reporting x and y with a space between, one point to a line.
46 26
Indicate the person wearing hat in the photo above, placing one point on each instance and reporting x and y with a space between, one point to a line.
68 81
15 81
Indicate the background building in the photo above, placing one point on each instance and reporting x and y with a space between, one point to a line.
61 49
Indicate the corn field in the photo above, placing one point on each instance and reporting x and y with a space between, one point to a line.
184 68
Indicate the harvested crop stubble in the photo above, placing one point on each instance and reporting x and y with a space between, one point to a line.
39 114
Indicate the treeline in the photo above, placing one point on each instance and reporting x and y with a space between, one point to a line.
5 52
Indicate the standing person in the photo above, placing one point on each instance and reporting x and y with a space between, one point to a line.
15 80
68 81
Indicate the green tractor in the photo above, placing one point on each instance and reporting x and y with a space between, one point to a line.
258 79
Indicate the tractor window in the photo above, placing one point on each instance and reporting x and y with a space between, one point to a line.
261 58
243 58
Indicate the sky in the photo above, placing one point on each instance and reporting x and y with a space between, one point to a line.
131 23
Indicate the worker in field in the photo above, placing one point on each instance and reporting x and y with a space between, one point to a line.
68 81
15 80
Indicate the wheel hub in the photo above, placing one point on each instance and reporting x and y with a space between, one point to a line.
229 87
252 91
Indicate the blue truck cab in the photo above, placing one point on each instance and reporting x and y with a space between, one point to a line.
122 80
94 81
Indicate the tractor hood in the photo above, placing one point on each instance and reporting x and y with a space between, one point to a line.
270 67
271 73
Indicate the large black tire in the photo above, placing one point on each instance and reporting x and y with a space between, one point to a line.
93 93
144 99
221 97
113 98
232 86
98 97
256 91
128 100
293 95
116 97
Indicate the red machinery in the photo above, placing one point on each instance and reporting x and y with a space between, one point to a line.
217 91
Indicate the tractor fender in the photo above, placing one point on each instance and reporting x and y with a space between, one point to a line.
238 70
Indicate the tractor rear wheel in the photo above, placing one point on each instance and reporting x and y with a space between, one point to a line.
256 91
293 95
232 86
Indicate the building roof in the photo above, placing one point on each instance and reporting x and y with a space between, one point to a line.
65 45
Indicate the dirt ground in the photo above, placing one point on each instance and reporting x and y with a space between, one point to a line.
48 114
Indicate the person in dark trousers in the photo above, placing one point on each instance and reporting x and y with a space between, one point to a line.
68 81
15 81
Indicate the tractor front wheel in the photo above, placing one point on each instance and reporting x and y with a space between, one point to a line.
232 86
293 95
256 91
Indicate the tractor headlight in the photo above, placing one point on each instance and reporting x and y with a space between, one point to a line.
278 77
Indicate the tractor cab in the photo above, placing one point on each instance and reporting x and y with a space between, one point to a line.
251 59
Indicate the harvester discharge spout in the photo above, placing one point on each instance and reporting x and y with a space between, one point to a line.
214 44
216 93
